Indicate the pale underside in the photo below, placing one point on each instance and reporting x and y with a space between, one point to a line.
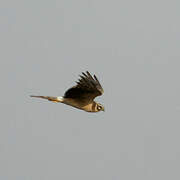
89 107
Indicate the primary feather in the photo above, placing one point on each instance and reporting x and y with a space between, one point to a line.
87 88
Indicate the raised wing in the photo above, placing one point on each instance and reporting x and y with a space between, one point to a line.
87 88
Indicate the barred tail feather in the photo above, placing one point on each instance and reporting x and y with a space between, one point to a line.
50 98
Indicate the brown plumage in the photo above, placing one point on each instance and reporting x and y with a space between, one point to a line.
82 95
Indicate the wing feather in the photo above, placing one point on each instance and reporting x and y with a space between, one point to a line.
86 89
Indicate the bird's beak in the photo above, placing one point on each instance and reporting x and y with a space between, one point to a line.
103 109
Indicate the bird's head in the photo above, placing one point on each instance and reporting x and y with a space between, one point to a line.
100 107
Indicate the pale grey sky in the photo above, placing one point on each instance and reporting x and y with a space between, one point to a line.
133 48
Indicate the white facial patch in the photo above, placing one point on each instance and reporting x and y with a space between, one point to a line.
60 98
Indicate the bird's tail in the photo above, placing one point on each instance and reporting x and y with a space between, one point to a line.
50 98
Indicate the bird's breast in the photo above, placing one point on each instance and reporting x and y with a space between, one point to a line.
86 106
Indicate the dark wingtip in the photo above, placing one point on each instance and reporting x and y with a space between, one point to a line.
84 74
88 72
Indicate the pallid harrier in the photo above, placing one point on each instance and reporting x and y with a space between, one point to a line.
82 95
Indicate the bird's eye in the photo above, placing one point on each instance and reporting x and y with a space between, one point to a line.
99 108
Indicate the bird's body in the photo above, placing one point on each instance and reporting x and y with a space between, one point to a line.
82 95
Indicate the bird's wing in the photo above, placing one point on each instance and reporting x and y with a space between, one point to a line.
87 88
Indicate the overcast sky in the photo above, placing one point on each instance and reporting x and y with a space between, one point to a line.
133 46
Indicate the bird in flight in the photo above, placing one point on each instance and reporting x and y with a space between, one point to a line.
81 95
